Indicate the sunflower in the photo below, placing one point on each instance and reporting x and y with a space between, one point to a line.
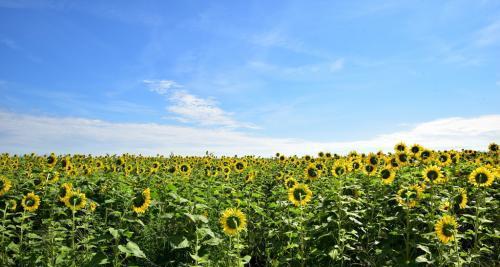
355 164
290 182
415 149
372 159
75 200
92 206
387 175
51 160
445 206
446 228
12 204
233 221
64 191
432 174
240 166
369 169
493 147
31 202
185 169
444 159
408 196
481 177
312 172
339 168
141 201
250 176
402 158
460 200
300 194
425 155
400 147
5 185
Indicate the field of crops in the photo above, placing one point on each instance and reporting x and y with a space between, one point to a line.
413 206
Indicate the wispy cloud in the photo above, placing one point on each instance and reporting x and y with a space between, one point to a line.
489 35
192 109
161 86
301 70
79 135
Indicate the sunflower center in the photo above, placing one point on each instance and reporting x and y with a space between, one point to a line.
2 184
290 183
401 148
415 149
425 154
355 165
299 194
30 202
373 160
386 174
481 178
369 168
139 200
339 170
50 160
233 222
312 172
184 168
62 192
402 157
443 158
432 175
75 200
239 166
448 230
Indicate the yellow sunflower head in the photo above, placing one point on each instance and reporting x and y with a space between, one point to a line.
432 174
444 159
239 166
5 185
415 149
312 172
64 191
300 194
141 201
30 202
481 177
250 176
11 204
400 147
369 169
233 221
445 206
493 147
446 228
388 175
75 200
339 168
290 182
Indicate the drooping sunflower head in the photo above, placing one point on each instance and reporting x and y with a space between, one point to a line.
30 202
11 204
75 200
432 174
481 177
446 228
141 201
409 196
233 221
312 172
388 175
5 185
300 194
400 147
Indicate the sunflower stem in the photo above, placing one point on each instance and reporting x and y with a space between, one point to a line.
4 254
407 239
456 250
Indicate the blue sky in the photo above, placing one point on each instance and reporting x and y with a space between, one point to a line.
315 72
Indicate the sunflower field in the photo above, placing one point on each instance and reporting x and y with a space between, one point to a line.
411 207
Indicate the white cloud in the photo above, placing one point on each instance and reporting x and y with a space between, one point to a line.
189 108
27 133
161 86
337 65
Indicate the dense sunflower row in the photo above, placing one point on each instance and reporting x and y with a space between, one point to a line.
324 210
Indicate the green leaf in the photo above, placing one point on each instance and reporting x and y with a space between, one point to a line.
114 233
135 250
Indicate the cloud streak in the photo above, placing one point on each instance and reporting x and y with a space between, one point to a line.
80 135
